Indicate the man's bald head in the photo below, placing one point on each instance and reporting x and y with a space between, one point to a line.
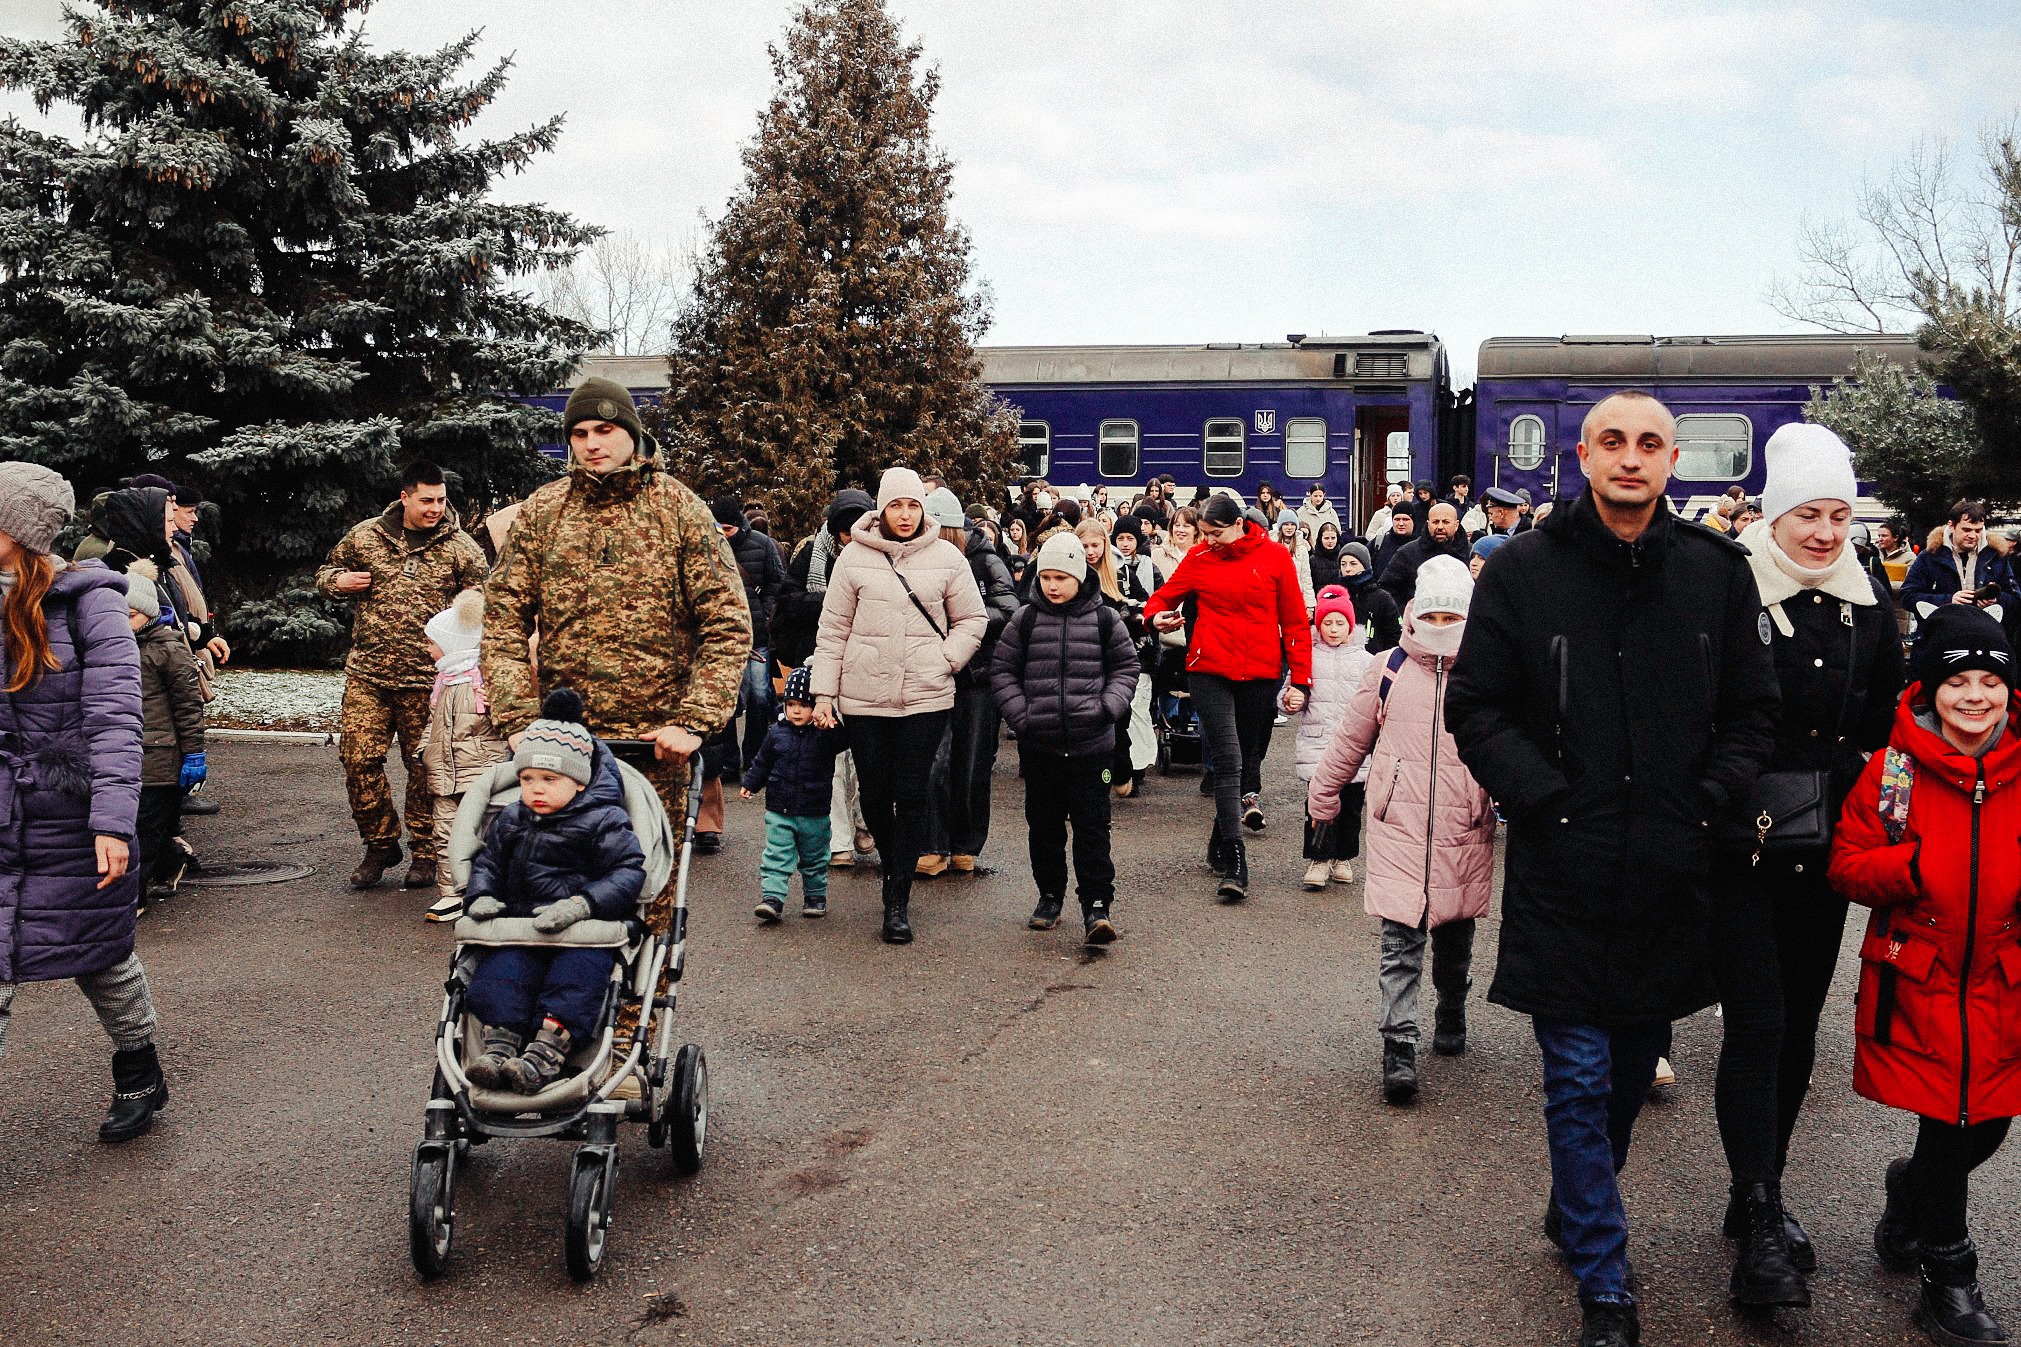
1442 522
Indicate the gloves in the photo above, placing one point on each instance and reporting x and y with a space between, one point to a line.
558 916
194 770
483 909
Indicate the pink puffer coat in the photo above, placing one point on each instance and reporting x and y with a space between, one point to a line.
1336 676
1415 773
875 653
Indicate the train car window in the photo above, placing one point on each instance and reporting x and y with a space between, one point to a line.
1116 452
1035 442
1398 455
1305 447
1526 442
1714 447
1221 447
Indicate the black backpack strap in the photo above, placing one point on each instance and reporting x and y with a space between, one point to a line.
893 562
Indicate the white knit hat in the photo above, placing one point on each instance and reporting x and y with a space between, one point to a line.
1805 462
1444 586
460 627
900 484
943 507
1063 552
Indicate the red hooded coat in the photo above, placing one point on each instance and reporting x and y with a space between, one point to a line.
1252 623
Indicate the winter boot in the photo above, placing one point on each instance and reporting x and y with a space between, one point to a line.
1763 1274
1952 1311
769 910
1342 872
1449 1029
138 1090
1217 861
501 1047
1801 1251
1399 1071
897 900
1607 1323
1895 1241
1315 877
379 858
1047 914
1252 813
1206 783
1235 879
421 874
1096 927
541 1064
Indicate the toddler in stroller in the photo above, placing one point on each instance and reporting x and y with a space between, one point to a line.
566 852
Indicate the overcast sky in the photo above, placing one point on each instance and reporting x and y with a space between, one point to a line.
1218 170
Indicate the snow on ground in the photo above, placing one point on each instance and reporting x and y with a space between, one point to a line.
277 699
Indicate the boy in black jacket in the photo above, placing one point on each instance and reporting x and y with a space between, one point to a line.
564 853
1063 675
796 766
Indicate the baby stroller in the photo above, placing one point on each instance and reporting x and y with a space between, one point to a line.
1178 728
669 1090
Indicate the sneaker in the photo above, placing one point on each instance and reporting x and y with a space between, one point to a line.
445 909
841 860
814 905
1096 927
1341 872
1315 876
1280 719
1665 1075
1046 915
1252 812
1125 788
769 910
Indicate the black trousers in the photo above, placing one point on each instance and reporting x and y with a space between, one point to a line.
961 775
1061 791
894 774
1346 828
1776 936
160 819
1940 1172
1235 724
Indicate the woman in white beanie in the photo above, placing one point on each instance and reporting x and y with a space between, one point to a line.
901 614
1838 659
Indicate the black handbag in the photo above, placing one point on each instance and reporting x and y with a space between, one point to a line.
1790 814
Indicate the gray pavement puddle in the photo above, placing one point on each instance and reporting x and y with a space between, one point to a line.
245 874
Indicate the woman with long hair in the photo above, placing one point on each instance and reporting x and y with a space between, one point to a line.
70 758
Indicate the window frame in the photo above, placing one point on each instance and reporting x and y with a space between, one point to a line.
1389 460
1136 447
1320 421
1045 454
1241 438
1746 465
1543 445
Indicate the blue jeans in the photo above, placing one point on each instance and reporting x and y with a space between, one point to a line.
1595 1080
795 842
755 697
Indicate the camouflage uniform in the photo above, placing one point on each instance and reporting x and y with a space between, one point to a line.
388 674
639 606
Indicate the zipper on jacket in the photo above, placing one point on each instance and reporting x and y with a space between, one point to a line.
1432 792
1965 973
1561 663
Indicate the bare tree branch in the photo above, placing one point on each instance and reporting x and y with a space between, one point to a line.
628 287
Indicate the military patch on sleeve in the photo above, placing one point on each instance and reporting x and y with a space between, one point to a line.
723 552
1761 625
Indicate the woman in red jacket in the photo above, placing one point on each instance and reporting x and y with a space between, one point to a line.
1249 628
1939 1023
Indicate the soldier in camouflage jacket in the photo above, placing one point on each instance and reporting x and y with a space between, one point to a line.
401 569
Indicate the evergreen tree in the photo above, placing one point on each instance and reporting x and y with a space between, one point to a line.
831 332
1917 448
272 266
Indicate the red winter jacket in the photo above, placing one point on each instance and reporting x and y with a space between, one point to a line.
1939 1023
1252 624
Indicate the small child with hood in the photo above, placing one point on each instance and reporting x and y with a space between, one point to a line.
564 853
459 744
795 767
1431 843
172 732
1339 662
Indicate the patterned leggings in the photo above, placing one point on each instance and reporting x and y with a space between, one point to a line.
119 994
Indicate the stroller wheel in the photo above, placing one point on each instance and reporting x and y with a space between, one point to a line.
589 1209
688 1110
431 1208
1164 757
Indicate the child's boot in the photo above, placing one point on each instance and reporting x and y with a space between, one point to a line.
1399 1071
1315 877
1342 872
769 909
540 1065
501 1046
1952 1309
1095 924
813 905
1449 1032
1047 914
1895 1241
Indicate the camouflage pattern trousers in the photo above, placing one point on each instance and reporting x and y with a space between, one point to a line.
670 780
368 719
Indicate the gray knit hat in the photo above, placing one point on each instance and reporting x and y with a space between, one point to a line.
142 595
558 742
35 504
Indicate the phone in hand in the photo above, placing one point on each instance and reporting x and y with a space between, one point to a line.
1984 593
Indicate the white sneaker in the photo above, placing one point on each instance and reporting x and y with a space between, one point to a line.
1315 876
446 909
1664 1074
1343 872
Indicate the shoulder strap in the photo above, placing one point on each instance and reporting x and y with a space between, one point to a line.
1105 620
1898 780
1391 667
1028 617
893 563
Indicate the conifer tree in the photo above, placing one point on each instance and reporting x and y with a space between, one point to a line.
270 265
831 332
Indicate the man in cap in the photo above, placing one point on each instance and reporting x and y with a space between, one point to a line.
1505 511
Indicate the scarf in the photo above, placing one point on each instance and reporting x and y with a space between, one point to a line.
459 668
820 560
1439 642
1780 579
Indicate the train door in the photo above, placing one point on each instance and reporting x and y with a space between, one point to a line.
1381 456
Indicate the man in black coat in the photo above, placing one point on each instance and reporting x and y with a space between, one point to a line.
764 572
1442 538
1403 529
1614 693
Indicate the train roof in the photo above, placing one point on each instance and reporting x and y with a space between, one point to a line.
1384 357
1797 355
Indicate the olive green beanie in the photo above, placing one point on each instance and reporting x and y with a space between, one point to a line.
602 399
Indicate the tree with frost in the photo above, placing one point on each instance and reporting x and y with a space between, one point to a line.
1916 447
832 328
270 265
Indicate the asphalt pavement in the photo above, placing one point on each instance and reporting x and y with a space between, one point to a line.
987 1137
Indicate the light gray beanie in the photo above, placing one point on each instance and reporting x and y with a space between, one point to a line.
35 504
143 596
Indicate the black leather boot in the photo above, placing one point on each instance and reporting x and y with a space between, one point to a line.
1895 1242
1449 1032
138 1089
1801 1251
897 900
1215 861
1607 1324
1763 1274
1952 1311
1235 879
1399 1071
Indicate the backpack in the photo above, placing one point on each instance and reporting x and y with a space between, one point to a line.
1398 657
1028 617
1898 780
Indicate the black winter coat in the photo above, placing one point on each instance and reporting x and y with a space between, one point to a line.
1064 674
1824 725
764 576
1376 612
586 847
999 600
795 767
1613 698
1400 577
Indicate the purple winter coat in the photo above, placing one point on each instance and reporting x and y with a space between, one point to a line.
69 771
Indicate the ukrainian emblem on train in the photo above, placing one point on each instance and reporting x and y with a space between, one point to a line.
1266 422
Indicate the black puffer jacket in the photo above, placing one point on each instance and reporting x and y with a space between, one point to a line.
795 767
586 847
999 600
1400 576
796 615
1064 674
1613 698
764 575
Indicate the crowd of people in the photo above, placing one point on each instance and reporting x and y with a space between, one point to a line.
1701 739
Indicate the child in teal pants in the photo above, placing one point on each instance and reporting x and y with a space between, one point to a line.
795 768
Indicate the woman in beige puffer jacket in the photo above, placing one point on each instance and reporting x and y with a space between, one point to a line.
901 616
